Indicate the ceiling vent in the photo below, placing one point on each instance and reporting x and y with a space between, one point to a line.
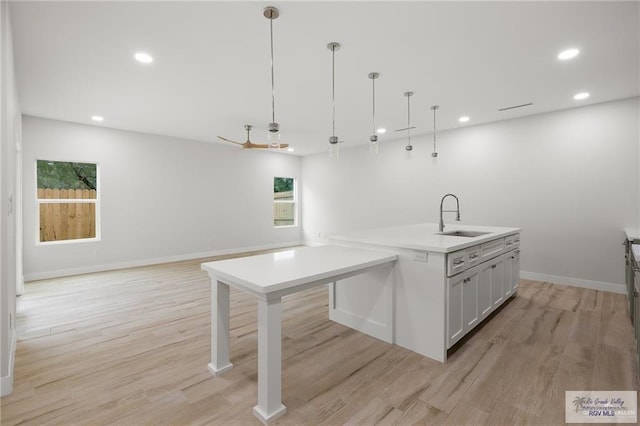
516 106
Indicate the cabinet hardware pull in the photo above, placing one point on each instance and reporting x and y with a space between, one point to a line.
509 243
493 266
473 256
458 262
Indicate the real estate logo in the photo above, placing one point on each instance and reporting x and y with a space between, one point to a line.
601 407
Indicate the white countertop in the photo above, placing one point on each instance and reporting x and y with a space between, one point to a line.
632 234
424 236
268 273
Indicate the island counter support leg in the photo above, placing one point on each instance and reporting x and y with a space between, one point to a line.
269 361
219 328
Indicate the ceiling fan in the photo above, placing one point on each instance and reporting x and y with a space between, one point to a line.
250 145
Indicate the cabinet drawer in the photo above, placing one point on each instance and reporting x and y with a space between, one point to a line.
456 262
511 242
473 256
492 248
462 260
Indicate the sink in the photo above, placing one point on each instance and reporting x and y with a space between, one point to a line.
468 234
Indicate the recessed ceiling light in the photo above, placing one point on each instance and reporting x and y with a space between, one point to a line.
143 58
98 118
581 96
290 149
463 119
381 130
568 54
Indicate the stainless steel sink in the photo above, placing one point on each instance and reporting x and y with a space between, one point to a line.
468 234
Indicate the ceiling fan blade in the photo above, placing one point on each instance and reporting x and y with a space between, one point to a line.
264 146
227 140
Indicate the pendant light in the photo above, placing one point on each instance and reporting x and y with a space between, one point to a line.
434 108
333 139
409 147
373 146
273 136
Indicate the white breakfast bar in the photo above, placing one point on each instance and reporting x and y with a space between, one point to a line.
269 277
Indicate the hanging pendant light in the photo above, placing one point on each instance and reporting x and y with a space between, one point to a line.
273 136
373 146
409 148
434 108
333 139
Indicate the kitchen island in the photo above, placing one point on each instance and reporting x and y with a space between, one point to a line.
443 285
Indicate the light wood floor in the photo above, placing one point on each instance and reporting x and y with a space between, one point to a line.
131 347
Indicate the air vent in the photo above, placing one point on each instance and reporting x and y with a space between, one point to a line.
516 106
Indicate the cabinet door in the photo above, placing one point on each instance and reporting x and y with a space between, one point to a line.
484 290
508 274
455 328
497 281
515 271
470 313
511 272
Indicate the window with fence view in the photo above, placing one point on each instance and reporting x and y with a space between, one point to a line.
67 197
284 201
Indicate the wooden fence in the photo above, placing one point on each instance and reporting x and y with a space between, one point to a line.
66 221
283 213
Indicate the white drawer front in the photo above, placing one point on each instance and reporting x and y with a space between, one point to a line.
511 242
457 262
473 256
492 248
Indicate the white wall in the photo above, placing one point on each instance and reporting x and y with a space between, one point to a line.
161 198
10 271
569 179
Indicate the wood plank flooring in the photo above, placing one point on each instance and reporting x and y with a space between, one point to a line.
131 347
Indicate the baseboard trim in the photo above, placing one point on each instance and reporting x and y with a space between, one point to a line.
575 282
6 383
153 261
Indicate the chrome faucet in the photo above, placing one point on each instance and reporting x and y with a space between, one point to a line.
457 210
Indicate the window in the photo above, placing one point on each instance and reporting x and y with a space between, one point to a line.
284 201
67 197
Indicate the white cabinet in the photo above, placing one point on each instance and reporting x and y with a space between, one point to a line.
481 278
511 272
497 281
492 285
470 312
455 328
463 313
485 304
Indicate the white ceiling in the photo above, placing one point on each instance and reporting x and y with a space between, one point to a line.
211 71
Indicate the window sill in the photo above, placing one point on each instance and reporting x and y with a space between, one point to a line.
63 242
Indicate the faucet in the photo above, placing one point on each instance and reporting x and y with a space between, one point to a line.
457 210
